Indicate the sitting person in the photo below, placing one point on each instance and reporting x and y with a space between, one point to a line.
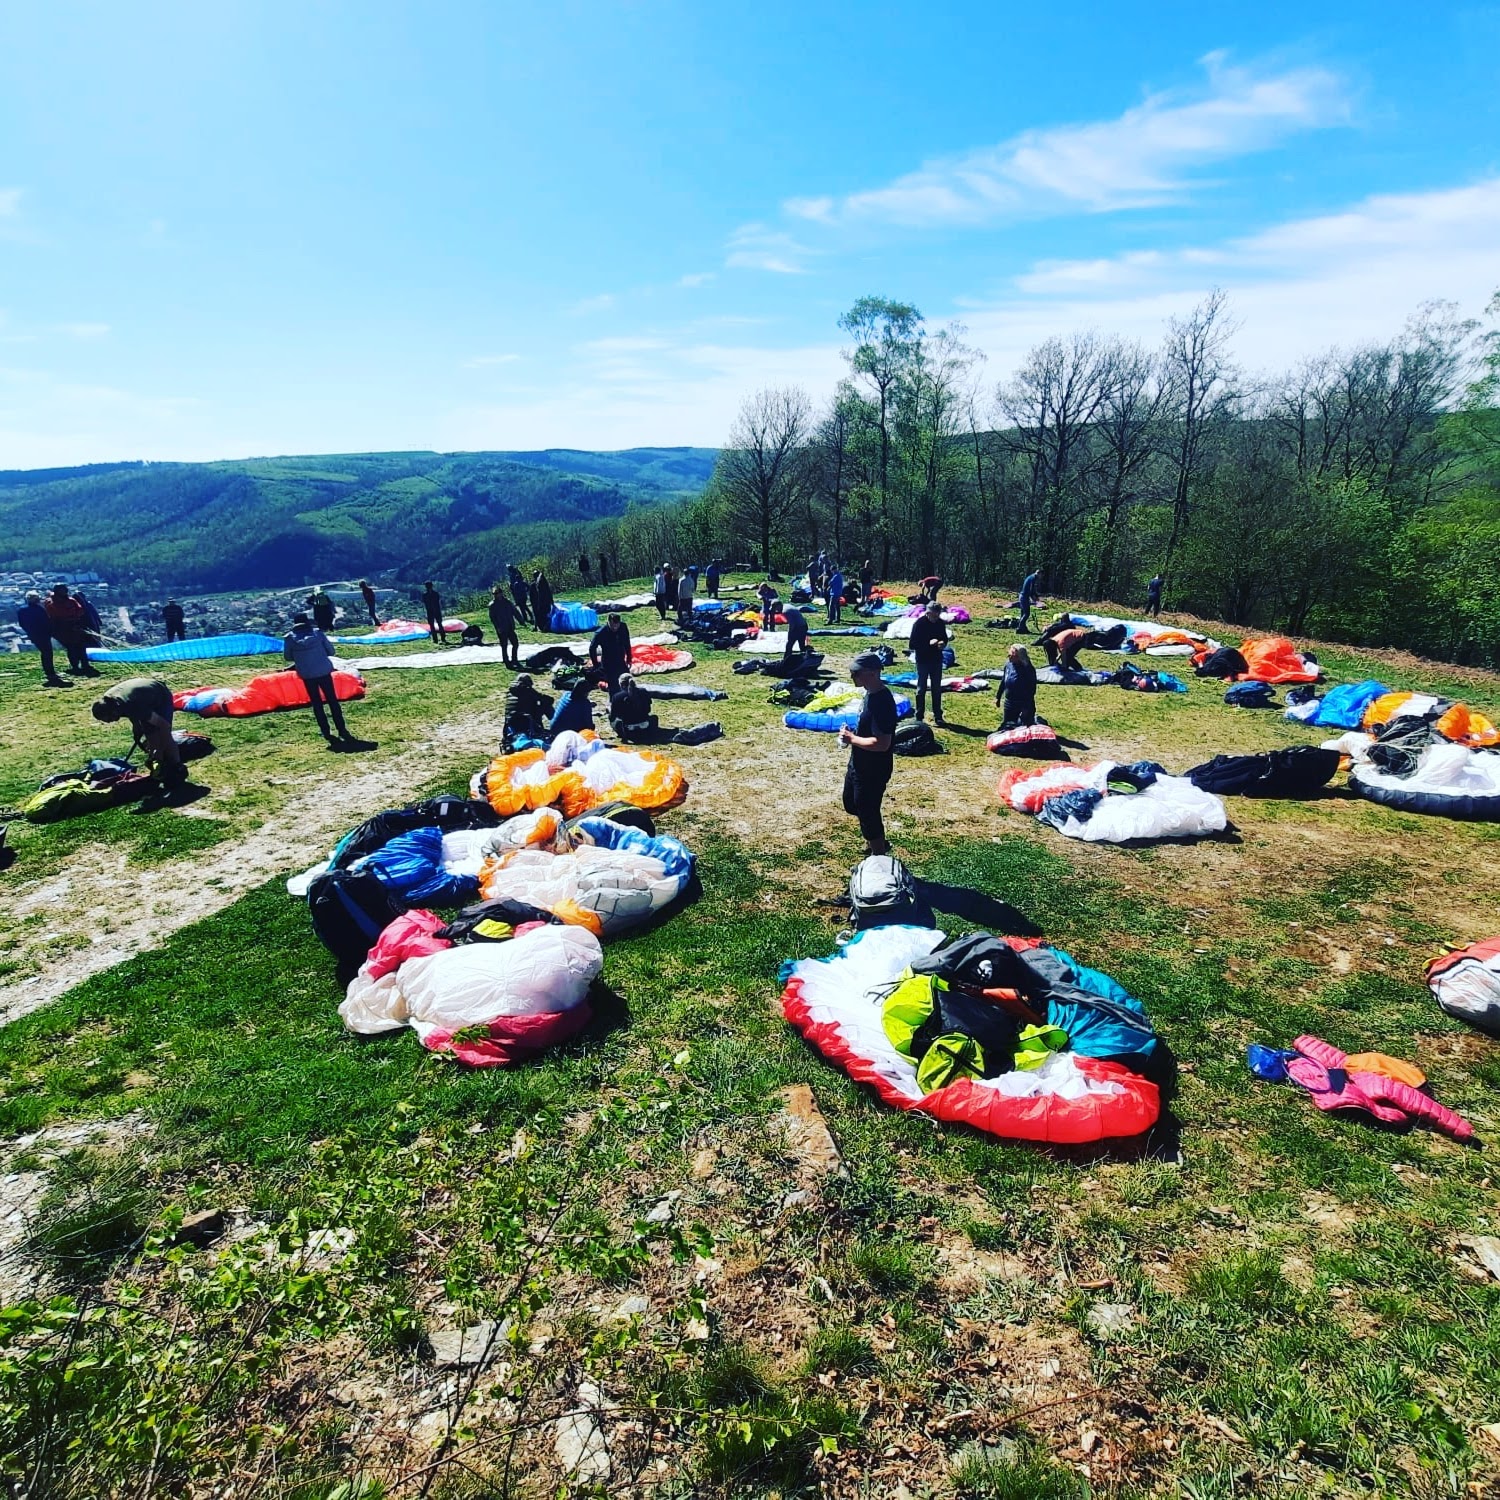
1062 649
526 713
1017 695
630 713
575 710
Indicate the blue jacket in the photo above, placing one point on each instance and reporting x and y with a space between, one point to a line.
32 618
574 711
1028 588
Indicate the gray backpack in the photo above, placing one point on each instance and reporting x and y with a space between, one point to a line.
883 894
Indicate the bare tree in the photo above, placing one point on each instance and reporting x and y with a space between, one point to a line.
762 471
1198 373
1129 435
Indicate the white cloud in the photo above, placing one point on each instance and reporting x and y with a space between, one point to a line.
661 391
601 303
85 330
696 278
488 361
1295 288
10 202
754 247
1145 156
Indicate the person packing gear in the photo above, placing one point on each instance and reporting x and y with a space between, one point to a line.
630 713
526 714
1017 695
368 595
433 603
503 618
69 625
928 637
870 758
146 702
574 711
796 634
32 618
609 651
174 620
322 608
311 656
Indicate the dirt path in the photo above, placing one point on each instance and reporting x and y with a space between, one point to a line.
173 895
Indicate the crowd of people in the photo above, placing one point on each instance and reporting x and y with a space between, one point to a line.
68 621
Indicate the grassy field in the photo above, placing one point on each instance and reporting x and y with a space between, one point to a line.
1256 1300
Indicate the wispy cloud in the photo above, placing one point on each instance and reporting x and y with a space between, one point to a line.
696 278
1295 287
10 202
85 330
1148 155
600 303
755 247
488 361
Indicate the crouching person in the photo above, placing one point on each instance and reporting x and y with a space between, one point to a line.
526 714
146 702
630 713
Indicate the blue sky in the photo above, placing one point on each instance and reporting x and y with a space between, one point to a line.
263 227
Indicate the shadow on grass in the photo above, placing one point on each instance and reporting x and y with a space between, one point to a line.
972 905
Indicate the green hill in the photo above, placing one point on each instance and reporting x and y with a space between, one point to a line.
284 521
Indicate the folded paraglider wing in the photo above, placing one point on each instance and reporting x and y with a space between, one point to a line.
262 695
1276 660
579 773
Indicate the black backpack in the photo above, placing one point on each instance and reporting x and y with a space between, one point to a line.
1295 772
349 911
1251 695
625 813
1225 662
493 921
915 738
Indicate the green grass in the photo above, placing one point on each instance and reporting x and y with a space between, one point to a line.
1290 1273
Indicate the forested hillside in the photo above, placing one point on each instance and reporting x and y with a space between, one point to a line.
1355 496
280 521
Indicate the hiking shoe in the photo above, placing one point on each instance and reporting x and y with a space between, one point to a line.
57 682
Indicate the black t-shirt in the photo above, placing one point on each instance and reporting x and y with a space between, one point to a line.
878 716
502 614
612 646
928 637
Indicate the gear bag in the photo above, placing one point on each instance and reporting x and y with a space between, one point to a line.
883 894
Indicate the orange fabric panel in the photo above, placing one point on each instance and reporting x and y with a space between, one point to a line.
1275 659
1387 1067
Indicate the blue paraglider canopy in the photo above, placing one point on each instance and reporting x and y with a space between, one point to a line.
203 648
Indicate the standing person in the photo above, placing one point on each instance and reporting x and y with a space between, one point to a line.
1017 695
519 592
1153 597
1030 590
603 569
94 626
322 607
584 567
310 654
835 595
433 603
609 651
175 621
32 618
147 703
796 634
69 624
368 595
928 637
871 759
669 574
659 588
503 618
711 579
866 583
541 601
685 589
766 593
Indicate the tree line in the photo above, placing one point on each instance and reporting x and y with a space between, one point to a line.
1355 496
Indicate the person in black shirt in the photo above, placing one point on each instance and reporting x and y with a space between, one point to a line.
541 601
630 713
928 637
871 759
433 601
609 651
526 714
520 591
175 621
503 618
